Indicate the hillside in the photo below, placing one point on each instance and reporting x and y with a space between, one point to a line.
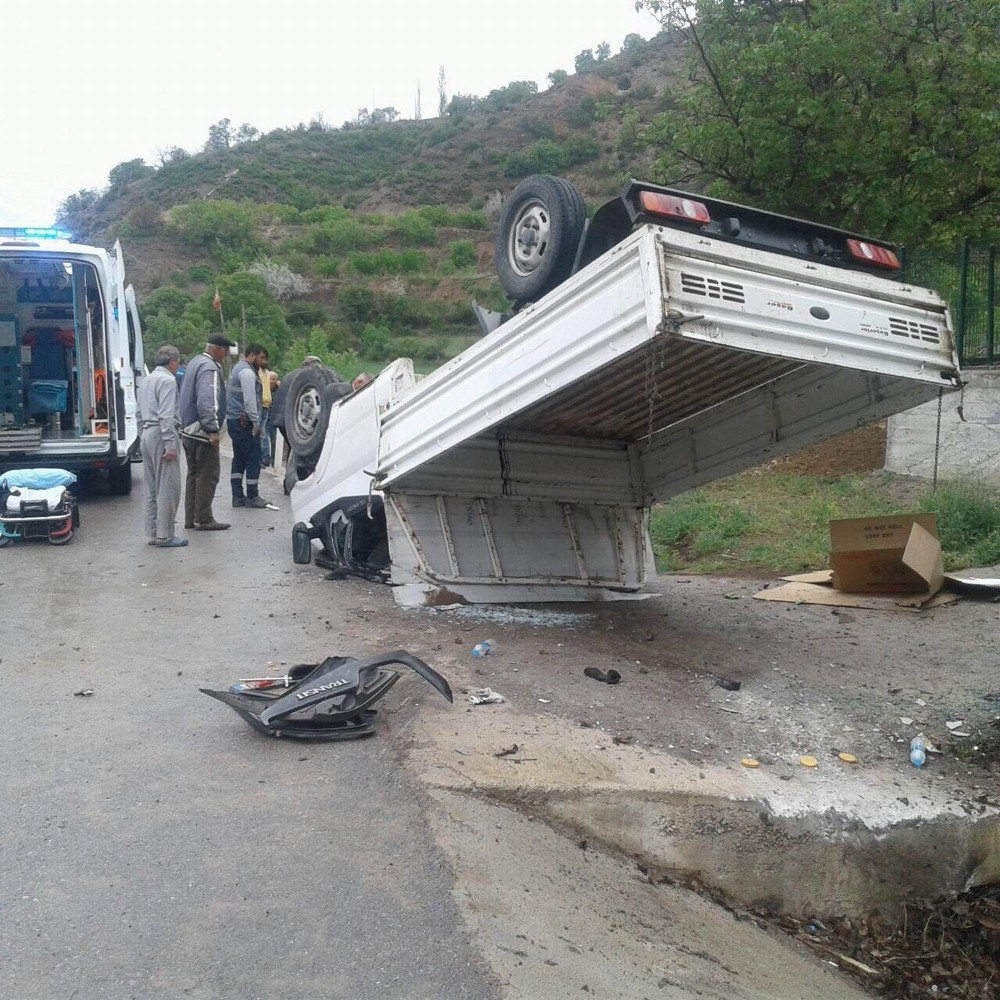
371 240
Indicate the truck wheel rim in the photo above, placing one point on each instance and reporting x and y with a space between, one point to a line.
529 238
307 412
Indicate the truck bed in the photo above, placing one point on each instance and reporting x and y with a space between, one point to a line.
522 469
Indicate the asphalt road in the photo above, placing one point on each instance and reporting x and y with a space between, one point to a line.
151 845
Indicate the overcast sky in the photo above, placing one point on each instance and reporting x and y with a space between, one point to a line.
87 86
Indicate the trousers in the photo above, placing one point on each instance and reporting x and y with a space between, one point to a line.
202 478
163 486
246 458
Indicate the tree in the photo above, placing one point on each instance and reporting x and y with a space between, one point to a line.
442 96
220 135
125 173
633 43
558 76
72 209
873 115
165 155
246 133
585 61
603 52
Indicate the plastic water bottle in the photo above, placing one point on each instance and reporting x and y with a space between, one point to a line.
918 751
481 648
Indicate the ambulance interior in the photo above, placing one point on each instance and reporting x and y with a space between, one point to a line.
53 348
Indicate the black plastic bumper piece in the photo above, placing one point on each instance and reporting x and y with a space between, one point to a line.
330 701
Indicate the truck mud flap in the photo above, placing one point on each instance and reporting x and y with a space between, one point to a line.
302 536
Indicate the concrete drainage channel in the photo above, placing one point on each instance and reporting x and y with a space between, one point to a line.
811 866
845 854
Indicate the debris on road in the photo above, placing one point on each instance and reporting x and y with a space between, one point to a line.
955 724
728 684
623 741
83 693
808 761
847 758
329 701
918 751
509 752
486 696
605 677
750 762
481 648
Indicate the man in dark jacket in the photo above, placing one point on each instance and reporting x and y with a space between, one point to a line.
202 408
243 421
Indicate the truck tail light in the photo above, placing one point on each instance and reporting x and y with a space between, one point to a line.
876 256
657 203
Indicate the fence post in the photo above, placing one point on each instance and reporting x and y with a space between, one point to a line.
963 294
991 301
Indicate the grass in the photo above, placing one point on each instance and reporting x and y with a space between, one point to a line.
771 522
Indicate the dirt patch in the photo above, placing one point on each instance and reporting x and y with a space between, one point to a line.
853 453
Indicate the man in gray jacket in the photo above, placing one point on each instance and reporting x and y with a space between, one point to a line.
160 446
202 410
243 420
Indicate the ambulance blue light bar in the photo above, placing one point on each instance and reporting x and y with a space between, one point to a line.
36 233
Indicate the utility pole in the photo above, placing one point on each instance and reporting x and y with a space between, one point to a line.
417 111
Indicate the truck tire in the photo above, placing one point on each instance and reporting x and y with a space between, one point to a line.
120 480
304 409
538 236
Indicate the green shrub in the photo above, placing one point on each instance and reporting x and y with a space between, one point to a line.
579 149
358 303
166 301
200 273
462 253
471 220
343 234
214 224
413 228
537 128
584 114
389 262
438 215
143 220
374 341
327 267
544 157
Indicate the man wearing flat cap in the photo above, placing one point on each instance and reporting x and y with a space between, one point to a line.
202 407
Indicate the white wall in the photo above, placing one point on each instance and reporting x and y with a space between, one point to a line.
968 448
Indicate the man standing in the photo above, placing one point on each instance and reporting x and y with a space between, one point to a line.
268 383
202 409
243 419
160 445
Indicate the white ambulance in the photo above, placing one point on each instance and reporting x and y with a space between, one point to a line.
70 354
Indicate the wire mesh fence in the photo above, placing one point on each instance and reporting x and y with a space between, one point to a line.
966 276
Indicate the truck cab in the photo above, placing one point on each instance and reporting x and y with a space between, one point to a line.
70 355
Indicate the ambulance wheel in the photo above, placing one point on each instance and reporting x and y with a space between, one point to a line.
120 480
5 540
60 539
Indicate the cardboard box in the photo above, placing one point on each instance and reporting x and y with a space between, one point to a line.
898 554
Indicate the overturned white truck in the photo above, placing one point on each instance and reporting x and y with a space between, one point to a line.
674 340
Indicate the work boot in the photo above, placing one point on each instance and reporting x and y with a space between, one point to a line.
258 502
211 526
239 501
